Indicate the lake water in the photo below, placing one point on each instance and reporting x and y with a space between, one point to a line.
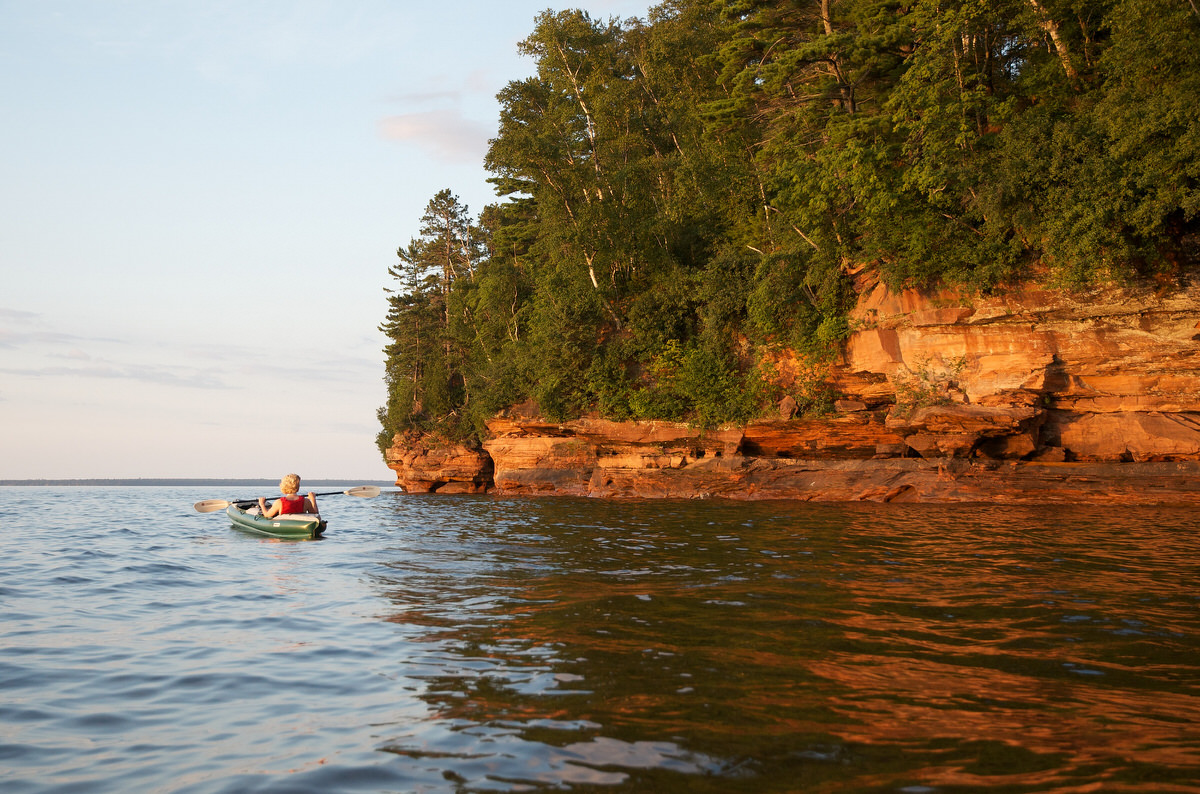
446 644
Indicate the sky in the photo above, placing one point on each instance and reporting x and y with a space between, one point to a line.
199 203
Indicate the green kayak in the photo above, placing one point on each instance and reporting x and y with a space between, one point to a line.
296 525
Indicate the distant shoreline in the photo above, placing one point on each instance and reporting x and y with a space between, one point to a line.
159 481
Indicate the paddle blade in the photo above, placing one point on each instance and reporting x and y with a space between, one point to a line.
365 491
211 505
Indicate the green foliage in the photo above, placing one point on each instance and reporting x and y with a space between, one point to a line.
929 383
713 388
427 350
665 312
682 193
693 383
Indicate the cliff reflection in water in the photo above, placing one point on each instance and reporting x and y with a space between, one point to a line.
771 647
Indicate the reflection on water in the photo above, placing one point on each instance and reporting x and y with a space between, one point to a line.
731 647
446 644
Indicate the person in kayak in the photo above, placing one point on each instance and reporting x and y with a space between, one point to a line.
291 502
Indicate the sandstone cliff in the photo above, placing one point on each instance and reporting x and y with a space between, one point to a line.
1037 395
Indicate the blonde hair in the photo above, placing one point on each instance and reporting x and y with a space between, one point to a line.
290 483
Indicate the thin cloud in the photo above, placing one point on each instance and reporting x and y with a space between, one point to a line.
435 97
20 328
445 134
317 365
10 340
18 315
478 82
142 374
332 373
482 81
75 354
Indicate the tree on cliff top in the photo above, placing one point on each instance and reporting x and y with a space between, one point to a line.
684 192
423 366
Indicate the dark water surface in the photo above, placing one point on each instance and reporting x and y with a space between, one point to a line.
439 644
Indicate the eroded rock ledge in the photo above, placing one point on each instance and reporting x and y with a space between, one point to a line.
1034 396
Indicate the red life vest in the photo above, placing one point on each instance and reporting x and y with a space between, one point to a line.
291 504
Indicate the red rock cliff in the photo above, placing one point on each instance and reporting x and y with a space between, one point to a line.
1034 396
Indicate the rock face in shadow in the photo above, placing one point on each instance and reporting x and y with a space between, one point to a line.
1033 396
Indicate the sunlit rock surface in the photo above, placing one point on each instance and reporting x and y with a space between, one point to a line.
1034 396
423 464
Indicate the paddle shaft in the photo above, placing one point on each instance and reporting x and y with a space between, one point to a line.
254 501
211 505
361 490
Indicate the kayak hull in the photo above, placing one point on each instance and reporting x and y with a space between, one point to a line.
296 525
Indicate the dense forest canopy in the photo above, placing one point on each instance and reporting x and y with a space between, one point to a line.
681 193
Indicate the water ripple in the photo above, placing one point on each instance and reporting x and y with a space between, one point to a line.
435 644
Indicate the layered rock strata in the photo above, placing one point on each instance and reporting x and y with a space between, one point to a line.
1033 396
424 464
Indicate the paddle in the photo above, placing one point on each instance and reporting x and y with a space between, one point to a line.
212 505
